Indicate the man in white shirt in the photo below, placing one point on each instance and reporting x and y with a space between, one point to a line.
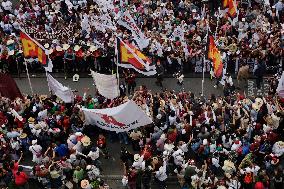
94 154
161 175
7 6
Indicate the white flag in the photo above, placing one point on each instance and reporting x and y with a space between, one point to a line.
121 118
280 88
106 84
127 21
59 90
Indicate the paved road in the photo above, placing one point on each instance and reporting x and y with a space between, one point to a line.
190 84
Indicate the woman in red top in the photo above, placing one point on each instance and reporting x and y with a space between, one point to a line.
21 178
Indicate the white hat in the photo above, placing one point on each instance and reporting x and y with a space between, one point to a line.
34 142
93 48
205 142
136 157
58 48
78 134
77 47
243 19
65 46
72 137
88 167
46 45
10 41
11 52
163 136
159 116
194 10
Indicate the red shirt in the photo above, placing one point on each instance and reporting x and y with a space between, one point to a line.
21 179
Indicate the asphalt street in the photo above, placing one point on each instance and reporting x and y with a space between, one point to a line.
112 168
40 86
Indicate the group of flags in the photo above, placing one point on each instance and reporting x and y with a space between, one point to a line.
128 55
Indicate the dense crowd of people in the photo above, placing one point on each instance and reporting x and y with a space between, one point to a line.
230 141
257 34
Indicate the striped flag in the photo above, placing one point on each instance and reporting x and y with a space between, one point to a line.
215 56
32 49
130 57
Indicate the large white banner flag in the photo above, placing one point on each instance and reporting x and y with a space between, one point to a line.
127 21
59 90
280 88
106 84
121 118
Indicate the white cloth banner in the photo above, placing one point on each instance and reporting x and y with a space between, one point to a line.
127 21
106 84
280 88
59 90
121 118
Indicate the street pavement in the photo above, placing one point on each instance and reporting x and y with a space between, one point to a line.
112 168
40 86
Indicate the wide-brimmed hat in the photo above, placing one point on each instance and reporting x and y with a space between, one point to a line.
11 52
77 47
93 48
43 97
10 41
85 184
46 45
257 104
86 141
136 157
58 48
23 135
31 120
37 126
65 46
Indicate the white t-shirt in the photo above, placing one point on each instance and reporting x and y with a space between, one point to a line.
94 155
7 5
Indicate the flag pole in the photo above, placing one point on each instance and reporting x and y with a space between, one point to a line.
204 59
28 75
116 61
218 19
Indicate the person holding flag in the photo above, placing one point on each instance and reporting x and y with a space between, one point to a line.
215 56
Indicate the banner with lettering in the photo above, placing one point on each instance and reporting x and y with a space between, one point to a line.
127 21
122 118
62 33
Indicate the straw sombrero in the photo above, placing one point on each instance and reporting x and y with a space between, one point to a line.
65 46
86 141
93 48
77 47
58 48
10 41
23 135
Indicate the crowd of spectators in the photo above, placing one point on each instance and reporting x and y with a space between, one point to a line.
230 141
255 35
